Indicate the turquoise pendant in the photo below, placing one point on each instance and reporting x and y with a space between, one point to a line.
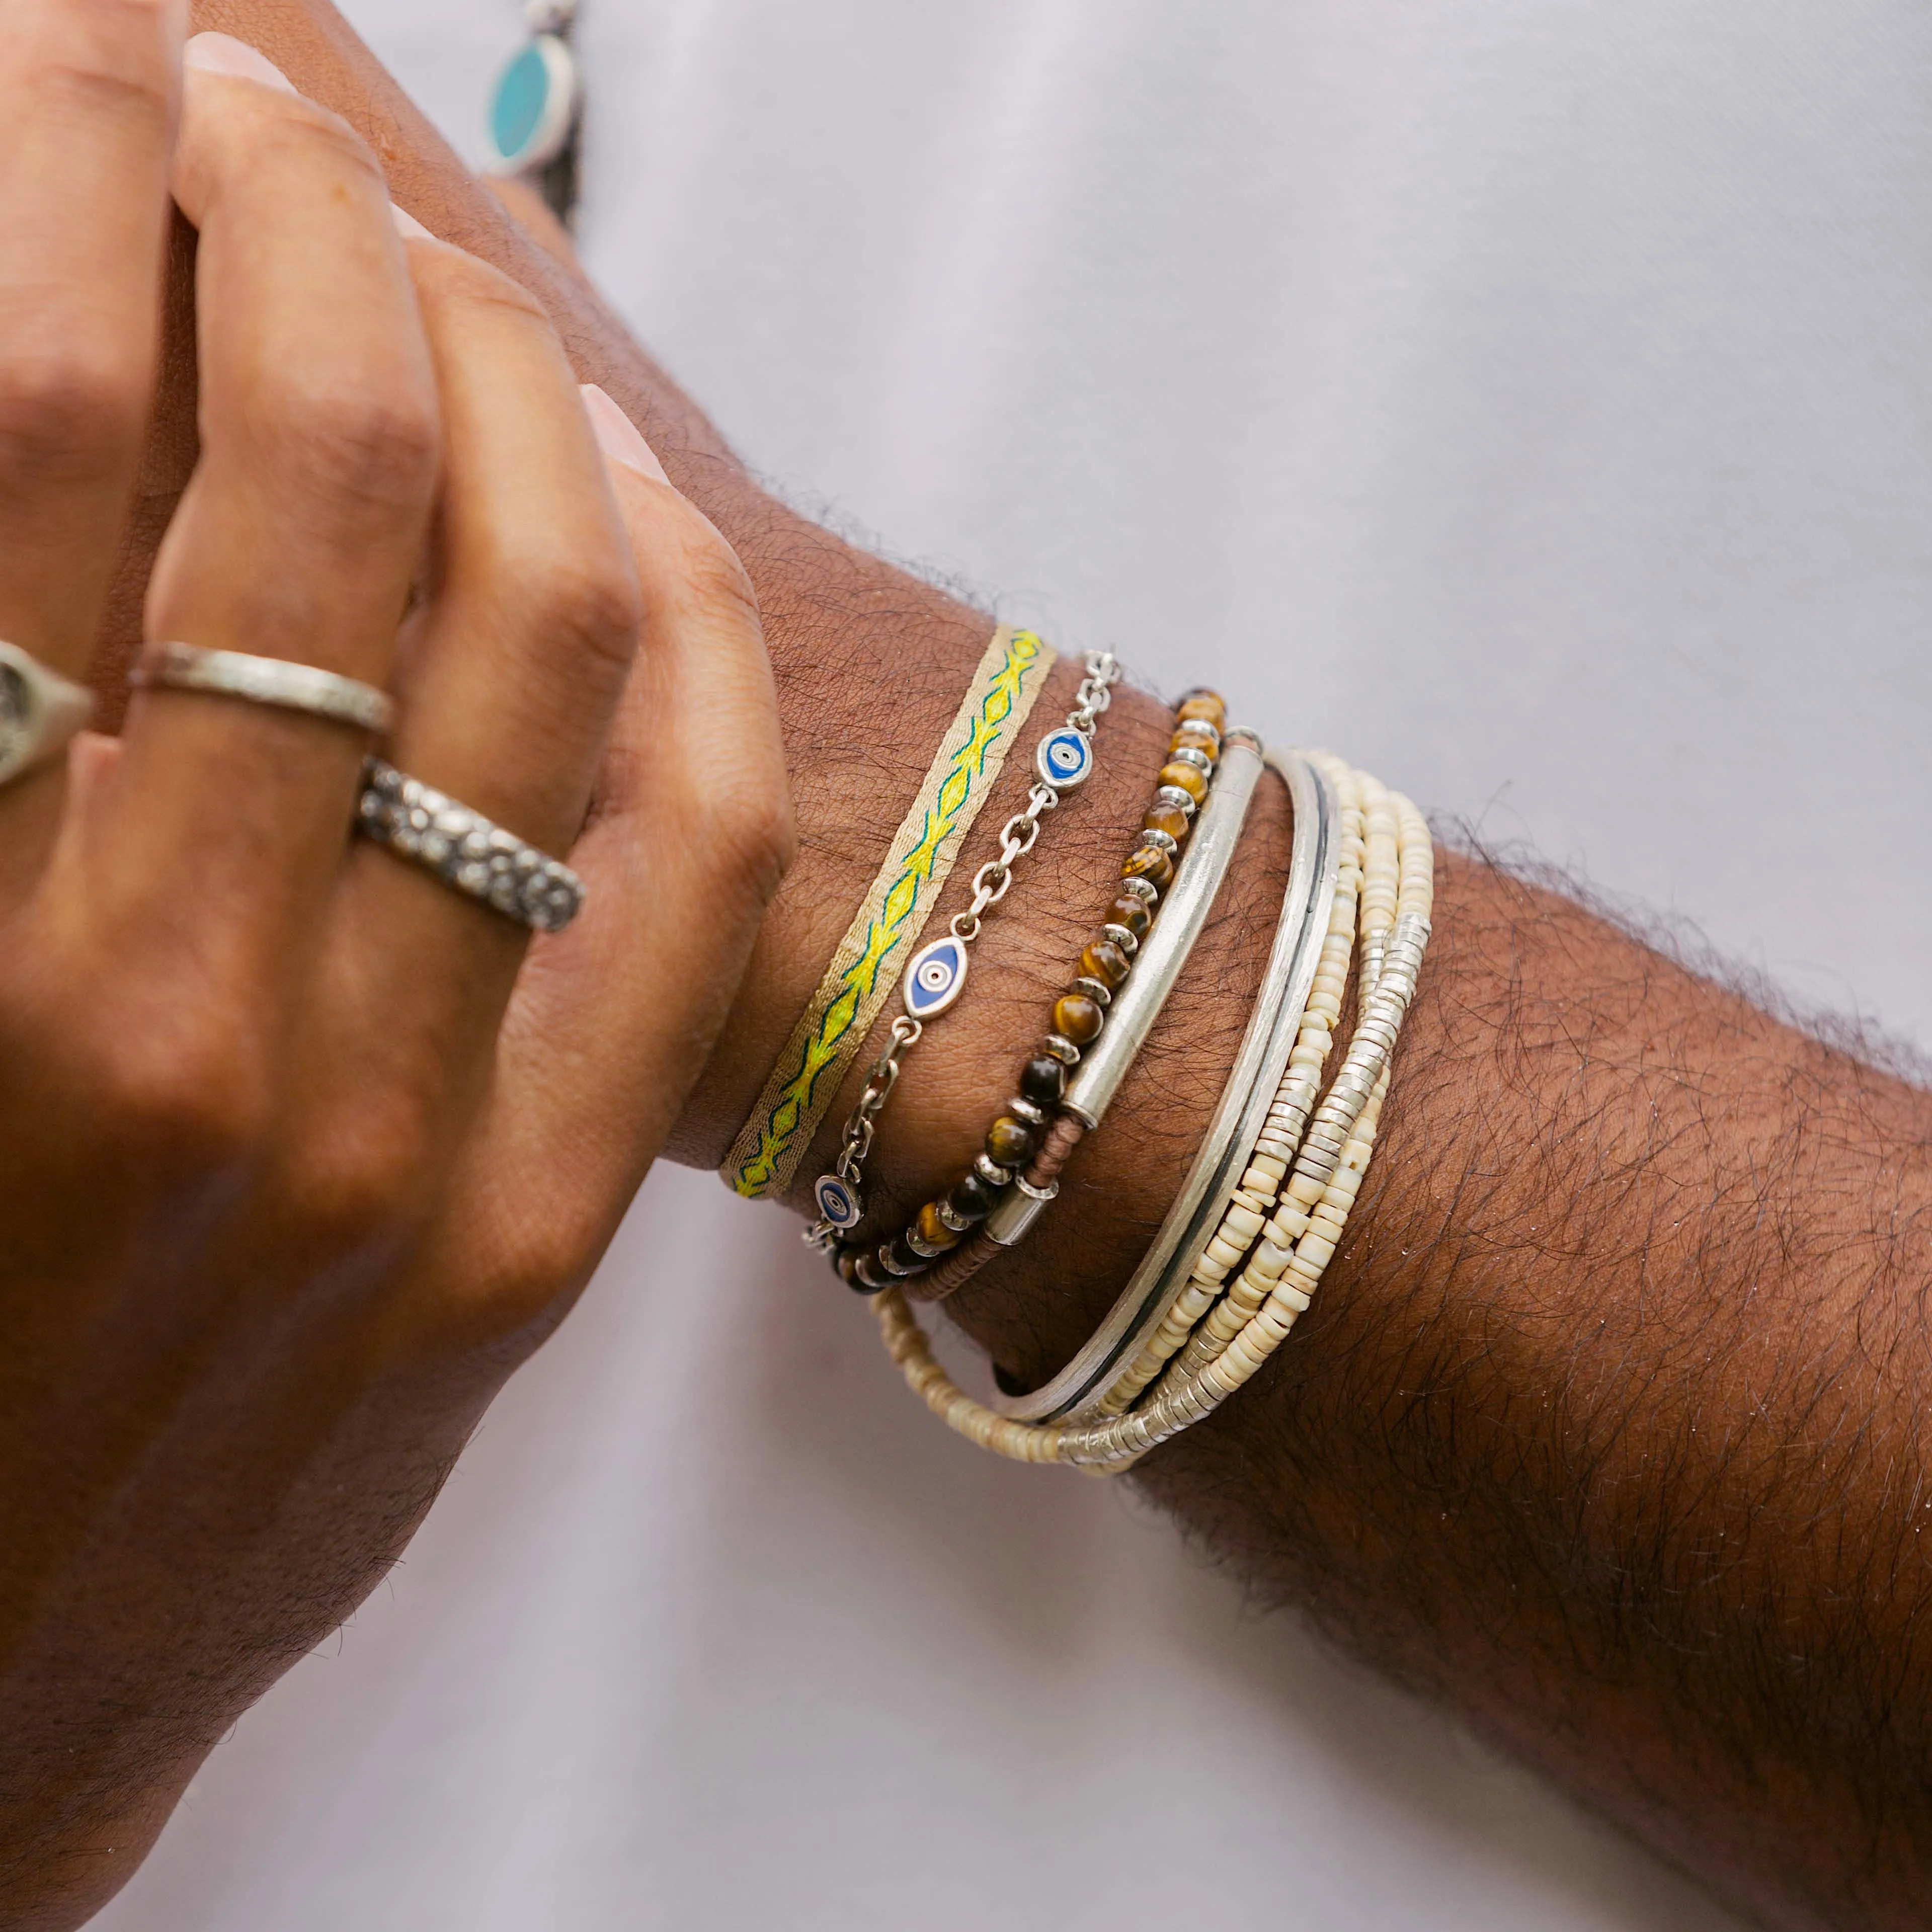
534 109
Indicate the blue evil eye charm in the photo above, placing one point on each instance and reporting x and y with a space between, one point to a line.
936 977
1064 759
838 1202
535 106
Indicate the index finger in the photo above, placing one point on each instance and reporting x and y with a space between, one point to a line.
88 94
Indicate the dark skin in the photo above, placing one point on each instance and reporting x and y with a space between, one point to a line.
1605 1427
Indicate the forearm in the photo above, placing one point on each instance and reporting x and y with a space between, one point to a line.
1628 1310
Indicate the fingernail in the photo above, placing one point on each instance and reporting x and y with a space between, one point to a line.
408 227
222 53
617 435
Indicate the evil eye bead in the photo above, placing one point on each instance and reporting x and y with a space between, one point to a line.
1064 759
535 106
935 978
838 1201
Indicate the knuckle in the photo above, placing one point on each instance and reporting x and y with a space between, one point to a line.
293 131
187 1097
454 275
111 64
590 604
368 443
70 406
360 1174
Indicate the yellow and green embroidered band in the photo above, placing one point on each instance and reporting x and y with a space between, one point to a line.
886 927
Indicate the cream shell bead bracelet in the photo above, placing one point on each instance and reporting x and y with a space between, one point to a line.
1243 1280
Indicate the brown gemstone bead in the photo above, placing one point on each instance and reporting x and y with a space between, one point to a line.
1206 704
1151 864
1077 1017
905 1260
1167 818
1009 1142
1194 737
1043 1081
1104 961
932 1230
1132 913
971 1198
1189 778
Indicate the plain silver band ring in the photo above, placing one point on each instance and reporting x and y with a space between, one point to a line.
273 681
465 851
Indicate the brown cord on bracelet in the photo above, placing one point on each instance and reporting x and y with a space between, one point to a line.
965 1262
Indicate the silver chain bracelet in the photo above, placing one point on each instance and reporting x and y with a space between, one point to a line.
935 976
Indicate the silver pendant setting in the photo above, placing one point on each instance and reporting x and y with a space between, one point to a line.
839 1202
1064 759
935 978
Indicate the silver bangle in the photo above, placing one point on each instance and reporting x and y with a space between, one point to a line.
1183 912
271 681
1306 906
40 712
465 851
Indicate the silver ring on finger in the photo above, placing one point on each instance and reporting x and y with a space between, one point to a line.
40 712
270 681
467 851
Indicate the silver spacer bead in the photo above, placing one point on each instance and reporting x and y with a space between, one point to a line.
1062 1048
1098 991
1161 841
1050 1191
1123 938
1174 795
1188 755
1200 724
991 1171
958 1223
891 1267
1025 1110
863 1270
1241 734
920 1246
1148 895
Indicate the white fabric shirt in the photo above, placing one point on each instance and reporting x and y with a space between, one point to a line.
1530 400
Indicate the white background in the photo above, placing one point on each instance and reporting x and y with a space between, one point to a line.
1527 397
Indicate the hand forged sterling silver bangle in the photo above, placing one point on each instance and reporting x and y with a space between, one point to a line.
1252 1081
467 851
39 711
270 681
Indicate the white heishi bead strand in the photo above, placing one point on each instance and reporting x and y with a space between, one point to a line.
1260 1269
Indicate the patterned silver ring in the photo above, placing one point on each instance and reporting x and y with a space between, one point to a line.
39 711
465 850
273 681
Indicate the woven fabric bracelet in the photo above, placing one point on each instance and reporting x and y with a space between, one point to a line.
1385 884
935 976
829 1034
1022 1133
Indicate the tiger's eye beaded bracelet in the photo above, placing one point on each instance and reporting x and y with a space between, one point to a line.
1033 1132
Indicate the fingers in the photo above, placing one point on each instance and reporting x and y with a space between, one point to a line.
614 1020
300 532
514 668
88 94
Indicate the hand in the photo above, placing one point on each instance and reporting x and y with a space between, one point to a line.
300 1152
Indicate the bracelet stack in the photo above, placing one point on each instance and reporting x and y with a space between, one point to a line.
1267 1199
1015 1175
1238 1260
